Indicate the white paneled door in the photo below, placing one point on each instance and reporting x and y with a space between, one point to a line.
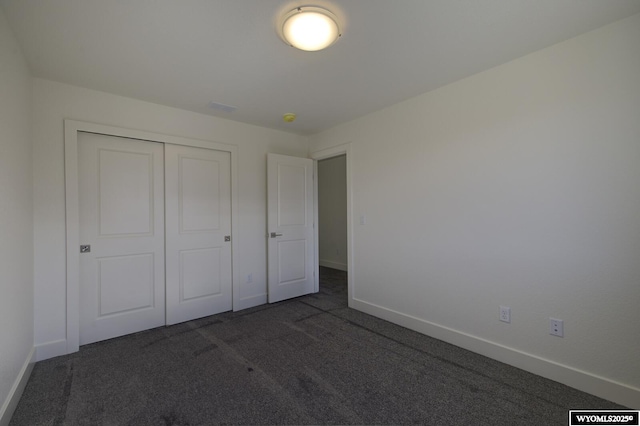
121 187
148 208
290 227
198 231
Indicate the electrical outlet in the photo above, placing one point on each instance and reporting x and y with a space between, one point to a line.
556 327
505 314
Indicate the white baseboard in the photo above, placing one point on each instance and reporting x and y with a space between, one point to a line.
578 379
51 349
10 404
333 265
250 302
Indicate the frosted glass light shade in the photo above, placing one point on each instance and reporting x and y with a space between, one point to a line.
310 28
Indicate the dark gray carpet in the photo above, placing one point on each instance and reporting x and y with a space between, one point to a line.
309 360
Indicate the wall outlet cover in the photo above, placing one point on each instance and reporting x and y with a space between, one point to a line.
505 314
556 327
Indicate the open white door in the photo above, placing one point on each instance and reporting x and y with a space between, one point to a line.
290 226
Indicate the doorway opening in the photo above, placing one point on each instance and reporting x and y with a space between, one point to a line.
332 225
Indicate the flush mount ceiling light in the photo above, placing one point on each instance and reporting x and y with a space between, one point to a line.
309 28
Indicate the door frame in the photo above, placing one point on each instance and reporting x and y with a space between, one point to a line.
71 129
323 154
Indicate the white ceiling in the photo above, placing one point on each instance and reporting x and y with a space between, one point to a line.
187 53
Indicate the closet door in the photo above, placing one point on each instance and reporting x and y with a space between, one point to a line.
121 191
198 232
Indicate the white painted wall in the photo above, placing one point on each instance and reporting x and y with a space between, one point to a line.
332 212
16 220
55 102
519 186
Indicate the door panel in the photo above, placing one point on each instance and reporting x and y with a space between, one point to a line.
200 273
125 283
292 264
199 193
198 218
290 226
125 202
121 189
292 195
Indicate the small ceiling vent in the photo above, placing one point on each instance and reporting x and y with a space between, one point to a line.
222 107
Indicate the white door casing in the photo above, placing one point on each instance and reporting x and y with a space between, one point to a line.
198 219
290 215
121 203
